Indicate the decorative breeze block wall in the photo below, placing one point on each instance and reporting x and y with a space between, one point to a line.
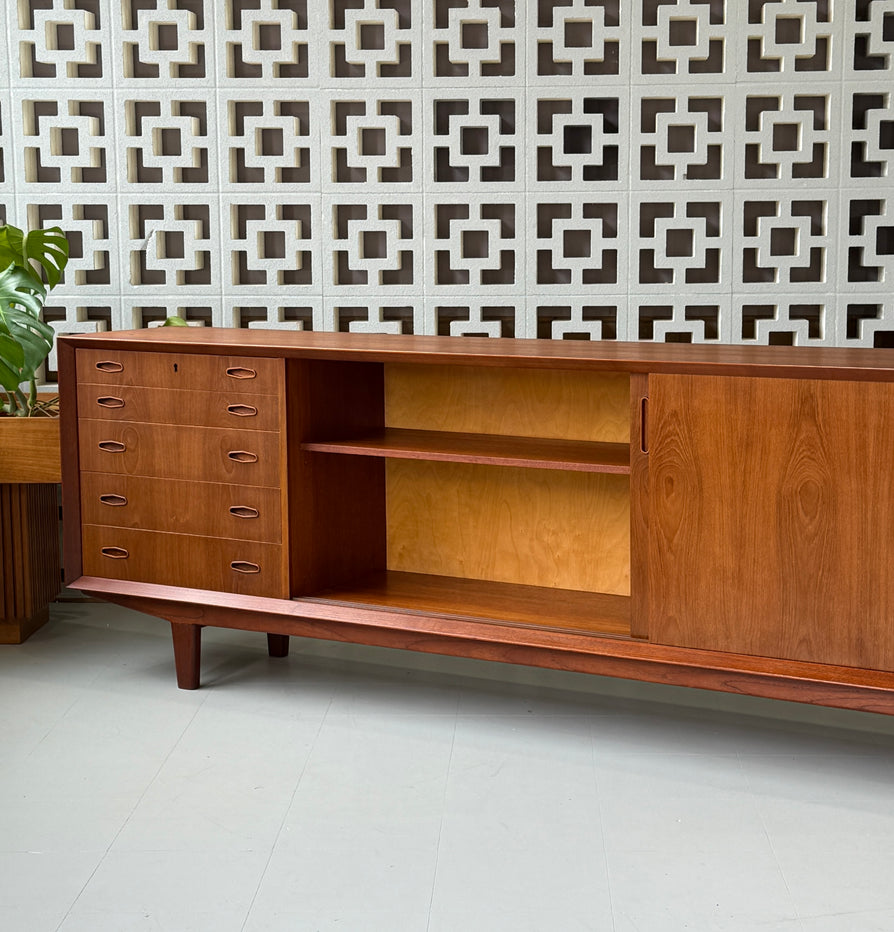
687 170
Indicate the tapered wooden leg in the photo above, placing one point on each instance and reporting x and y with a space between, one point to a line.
278 645
187 653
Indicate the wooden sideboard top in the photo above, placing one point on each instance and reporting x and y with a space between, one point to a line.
681 358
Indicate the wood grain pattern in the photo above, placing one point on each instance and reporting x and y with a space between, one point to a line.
29 450
563 530
594 612
170 451
176 406
595 356
554 404
336 503
768 543
68 442
819 684
772 513
187 654
184 560
285 467
183 507
449 446
29 558
199 373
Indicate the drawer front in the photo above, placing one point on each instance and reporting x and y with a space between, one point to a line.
241 374
246 567
240 512
167 451
229 409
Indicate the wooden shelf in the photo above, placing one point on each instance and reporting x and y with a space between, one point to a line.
483 449
563 609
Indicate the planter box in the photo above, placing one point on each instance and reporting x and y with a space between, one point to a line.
30 575
29 449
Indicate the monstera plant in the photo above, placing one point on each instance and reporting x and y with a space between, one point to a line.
31 265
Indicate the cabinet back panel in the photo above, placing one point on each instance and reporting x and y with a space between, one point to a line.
563 530
557 404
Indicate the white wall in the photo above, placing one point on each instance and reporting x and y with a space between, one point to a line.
629 169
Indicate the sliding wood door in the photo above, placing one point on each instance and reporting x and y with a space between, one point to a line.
772 517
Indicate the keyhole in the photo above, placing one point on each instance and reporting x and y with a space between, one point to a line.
175 367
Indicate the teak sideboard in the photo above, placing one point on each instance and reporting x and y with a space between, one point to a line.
719 517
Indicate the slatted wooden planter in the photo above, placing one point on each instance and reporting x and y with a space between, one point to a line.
29 524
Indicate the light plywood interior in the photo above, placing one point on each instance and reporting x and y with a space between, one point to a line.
554 404
536 527
509 603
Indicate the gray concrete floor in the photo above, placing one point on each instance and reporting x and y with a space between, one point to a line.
364 789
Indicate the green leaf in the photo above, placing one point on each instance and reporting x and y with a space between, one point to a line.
35 338
26 259
21 299
9 378
11 247
12 351
49 248
35 344
18 287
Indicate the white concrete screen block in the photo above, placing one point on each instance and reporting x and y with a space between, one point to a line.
687 170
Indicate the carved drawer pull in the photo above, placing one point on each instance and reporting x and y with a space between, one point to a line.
111 446
244 511
242 410
113 499
115 553
243 456
241 372
243 566
110 401
108 365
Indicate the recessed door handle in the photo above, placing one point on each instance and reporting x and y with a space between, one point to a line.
244 566
111 446
241 372
110 401
112 499
644 425
115 553
243 456
109 365
244 511
242 410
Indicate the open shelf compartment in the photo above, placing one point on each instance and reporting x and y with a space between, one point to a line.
498 495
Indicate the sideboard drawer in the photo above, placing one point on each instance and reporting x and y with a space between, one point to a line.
212 509
181 370
231 409
246 567
167 451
